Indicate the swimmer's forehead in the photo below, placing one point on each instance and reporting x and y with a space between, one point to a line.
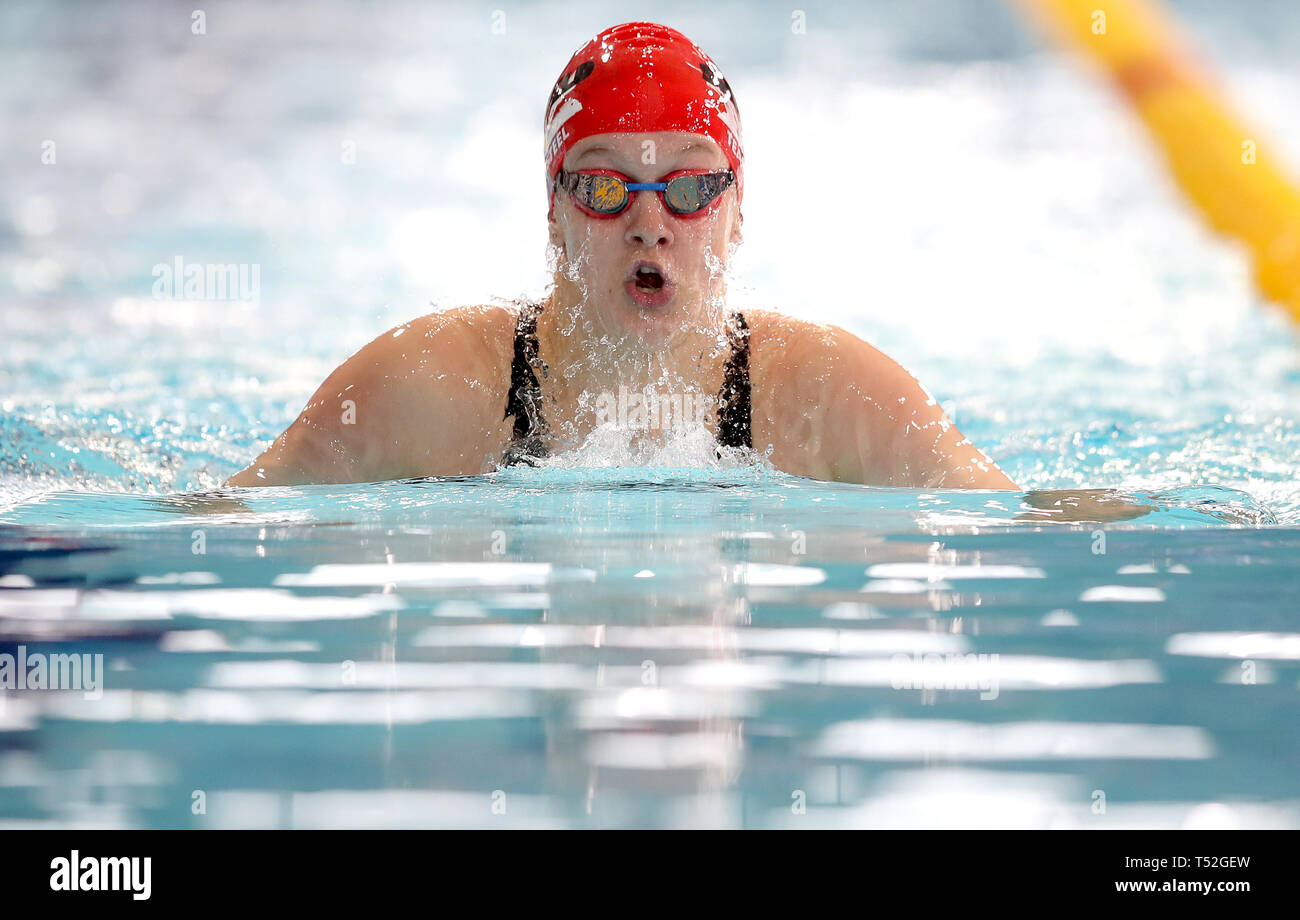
672 149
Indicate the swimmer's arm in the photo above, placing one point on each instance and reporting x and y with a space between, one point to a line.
405 405
894 432
336 438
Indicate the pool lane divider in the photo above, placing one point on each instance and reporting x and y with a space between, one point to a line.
1228 171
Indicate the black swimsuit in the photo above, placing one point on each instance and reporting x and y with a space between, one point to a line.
524 401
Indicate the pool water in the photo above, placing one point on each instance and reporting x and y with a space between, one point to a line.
651 648
586 645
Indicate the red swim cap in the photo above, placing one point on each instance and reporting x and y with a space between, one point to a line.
637 78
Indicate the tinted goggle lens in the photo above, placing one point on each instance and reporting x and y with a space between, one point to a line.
687 194
682 194
605 194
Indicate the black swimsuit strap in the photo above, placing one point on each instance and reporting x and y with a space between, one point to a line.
734 422
525 399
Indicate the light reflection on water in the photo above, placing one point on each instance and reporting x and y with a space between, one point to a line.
363 670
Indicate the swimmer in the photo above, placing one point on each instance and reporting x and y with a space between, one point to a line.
645 175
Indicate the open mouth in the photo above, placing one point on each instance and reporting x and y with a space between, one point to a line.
648 278
649 285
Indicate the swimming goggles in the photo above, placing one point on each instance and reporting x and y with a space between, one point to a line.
605 193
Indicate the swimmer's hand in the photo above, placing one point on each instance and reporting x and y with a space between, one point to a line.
1081 506
200 503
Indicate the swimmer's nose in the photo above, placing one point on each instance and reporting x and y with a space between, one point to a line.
648 221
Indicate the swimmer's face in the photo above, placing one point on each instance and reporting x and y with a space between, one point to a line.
601 254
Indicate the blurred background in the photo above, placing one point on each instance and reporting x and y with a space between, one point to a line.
999 223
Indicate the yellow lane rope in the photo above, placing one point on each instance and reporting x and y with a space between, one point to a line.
1227 170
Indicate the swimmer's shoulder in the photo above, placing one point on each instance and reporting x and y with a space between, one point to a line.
457 362
810 355
799 357
469 345
787 358
458 353
834 406
811 381
423 398
781 329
